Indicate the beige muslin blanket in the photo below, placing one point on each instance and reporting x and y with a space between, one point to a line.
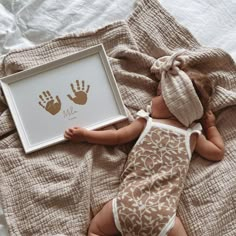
57 190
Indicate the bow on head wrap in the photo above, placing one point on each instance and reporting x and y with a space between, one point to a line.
177 88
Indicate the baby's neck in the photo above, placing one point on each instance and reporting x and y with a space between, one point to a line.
169 121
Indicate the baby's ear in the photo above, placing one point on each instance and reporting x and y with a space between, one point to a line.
184 67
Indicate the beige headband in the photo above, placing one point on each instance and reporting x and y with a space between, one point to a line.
177 88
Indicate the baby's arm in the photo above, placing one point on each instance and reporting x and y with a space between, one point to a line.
107 137
210 147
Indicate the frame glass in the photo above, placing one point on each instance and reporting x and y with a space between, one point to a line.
79 89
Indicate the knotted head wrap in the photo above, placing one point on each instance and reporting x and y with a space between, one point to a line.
177 88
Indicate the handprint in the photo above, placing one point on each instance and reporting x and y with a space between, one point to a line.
50 104
80 95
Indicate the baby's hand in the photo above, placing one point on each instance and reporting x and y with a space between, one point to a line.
75 134
209 120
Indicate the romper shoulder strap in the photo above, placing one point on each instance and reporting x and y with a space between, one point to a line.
146 116
195 128
143 114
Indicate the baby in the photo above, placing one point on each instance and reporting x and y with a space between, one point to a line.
157 165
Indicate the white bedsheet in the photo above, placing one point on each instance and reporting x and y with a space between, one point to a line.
26 23
212 22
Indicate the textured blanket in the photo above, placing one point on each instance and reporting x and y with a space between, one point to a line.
57 190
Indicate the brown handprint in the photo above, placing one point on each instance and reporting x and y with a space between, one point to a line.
80 95
51 105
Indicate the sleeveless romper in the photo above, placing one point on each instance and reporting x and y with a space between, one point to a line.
153 179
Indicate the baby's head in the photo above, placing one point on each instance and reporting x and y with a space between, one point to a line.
186 95
203 87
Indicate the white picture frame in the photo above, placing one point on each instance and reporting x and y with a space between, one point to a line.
77 90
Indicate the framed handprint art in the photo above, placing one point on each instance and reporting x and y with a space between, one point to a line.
77 90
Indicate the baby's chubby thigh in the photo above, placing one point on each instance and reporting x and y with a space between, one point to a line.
103 223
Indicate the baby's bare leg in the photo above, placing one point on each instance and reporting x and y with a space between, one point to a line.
103 223
178 229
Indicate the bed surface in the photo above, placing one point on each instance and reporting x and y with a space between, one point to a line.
212 22
24 23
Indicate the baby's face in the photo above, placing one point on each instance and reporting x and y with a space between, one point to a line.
159 110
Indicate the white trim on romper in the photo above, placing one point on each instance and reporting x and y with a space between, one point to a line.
195 129
115 215
168 226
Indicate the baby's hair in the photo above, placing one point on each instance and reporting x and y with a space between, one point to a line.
203 87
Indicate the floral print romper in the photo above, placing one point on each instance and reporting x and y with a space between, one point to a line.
153 179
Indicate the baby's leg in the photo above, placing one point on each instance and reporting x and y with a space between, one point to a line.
178 229
103 223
